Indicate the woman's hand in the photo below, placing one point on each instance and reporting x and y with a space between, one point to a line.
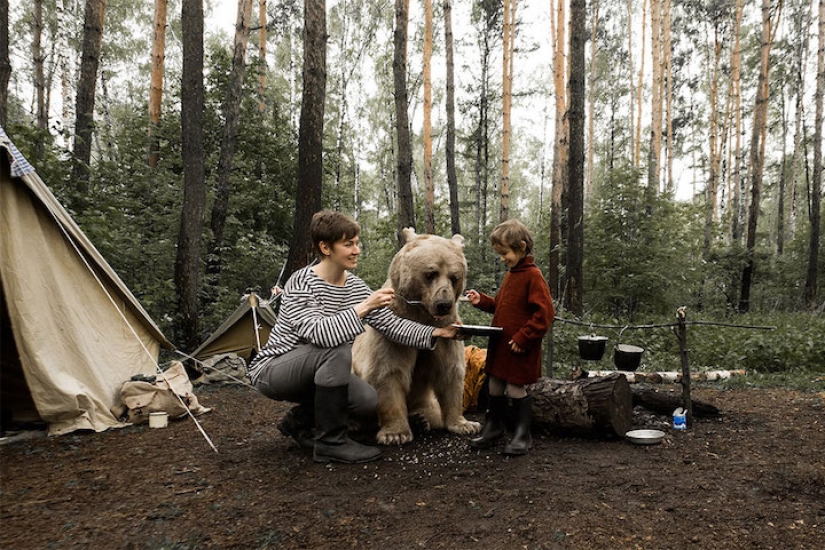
515 348
450 331
378 299
473 296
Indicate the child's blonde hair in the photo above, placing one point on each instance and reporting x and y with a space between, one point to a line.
512 234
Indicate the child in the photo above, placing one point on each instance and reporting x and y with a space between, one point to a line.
523 307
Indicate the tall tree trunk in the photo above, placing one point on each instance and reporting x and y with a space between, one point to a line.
803 24
194 185
452 177
631 85
716 144
429 185
560 145
736 106
406 208
310 134
816 185
507 98
637 153
156 83
65 68
232 112
5 62
757 156
667 67
654 153
39 80
262 55
591 109
85 104
575 209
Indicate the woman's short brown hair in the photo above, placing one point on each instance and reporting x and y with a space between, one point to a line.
512 234
330 227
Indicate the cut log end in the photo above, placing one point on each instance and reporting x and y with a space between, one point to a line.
591 406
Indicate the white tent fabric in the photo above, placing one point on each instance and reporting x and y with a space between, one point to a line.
78 331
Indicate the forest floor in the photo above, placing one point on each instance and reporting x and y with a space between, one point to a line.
752 477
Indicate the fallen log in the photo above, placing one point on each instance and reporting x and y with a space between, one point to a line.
665 377
586 407
666 402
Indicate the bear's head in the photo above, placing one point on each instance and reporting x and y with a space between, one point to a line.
432 270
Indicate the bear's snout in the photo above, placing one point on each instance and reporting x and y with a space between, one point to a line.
443 307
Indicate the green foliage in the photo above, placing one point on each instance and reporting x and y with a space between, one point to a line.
636 249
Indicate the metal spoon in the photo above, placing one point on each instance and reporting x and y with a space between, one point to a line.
410 302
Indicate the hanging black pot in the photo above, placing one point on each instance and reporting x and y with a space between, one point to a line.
591 347
627 358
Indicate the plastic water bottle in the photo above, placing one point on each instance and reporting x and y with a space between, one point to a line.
679 420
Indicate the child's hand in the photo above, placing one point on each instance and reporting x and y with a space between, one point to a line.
473 296
515 348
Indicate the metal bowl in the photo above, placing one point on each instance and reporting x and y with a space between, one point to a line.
645 437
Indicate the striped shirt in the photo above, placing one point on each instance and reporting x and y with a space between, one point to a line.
316 312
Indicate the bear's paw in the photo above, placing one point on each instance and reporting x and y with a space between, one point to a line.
464 427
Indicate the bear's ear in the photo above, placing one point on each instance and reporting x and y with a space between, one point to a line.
458 239
409 234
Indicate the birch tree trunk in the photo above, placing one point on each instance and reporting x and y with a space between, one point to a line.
715 137
802 32
736 107
757 155
406 208
811 281
452 177
156 82
668 93
85 104
231 111
190 236
429 185
310 134
65 68
631 85
654 153
637 153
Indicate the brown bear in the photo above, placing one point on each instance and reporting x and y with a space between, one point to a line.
428 276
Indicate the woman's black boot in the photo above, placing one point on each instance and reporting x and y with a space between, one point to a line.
333 443
493 429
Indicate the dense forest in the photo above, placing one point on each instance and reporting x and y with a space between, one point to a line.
665 153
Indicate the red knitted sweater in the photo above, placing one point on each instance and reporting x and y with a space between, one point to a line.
523 307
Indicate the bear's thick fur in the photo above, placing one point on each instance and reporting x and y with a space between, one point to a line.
430 384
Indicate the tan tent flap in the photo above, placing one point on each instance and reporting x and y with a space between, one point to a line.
238 333
74 346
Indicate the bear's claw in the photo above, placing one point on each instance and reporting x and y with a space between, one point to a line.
394 438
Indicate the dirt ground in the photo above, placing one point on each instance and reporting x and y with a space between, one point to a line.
753 477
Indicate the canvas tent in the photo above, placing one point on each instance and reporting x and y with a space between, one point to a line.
72 332
247 328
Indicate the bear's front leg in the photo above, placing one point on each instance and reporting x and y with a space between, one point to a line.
392 414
